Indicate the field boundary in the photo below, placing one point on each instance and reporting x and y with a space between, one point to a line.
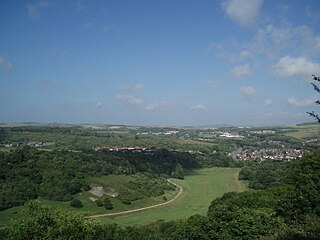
144 208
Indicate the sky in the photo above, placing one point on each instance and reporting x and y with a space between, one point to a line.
160 62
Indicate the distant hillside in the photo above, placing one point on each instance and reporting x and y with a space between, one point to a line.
307 124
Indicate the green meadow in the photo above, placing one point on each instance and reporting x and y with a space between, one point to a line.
199 189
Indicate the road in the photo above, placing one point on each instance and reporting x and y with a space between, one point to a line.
144 208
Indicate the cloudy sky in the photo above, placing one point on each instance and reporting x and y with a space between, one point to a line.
179 62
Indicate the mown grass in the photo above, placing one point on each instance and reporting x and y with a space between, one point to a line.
200 188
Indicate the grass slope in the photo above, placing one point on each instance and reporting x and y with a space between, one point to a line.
200 188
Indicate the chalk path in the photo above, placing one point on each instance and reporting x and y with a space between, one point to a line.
144 208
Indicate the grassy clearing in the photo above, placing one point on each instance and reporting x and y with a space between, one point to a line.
116 182
200 188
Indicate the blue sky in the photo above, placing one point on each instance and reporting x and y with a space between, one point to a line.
179 62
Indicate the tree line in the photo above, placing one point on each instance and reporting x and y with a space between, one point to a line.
27 173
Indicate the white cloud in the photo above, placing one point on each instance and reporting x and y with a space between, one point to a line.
281 115
214 85
300 103
49 84
198 107
87 25
243 12
245 54
284 7
33 11
5 65
232 53
109 28
312 12
98 105
241 70
34 8
79 5
248 91
289 66
130 99
239 56
137 86
274 41
162 106
267 102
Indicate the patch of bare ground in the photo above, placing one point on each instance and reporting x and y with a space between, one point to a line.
98 191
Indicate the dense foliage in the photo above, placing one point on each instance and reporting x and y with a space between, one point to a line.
143 185
263 175
27 173
178 172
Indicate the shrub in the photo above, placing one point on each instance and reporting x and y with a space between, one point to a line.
76 203
107 204
99 203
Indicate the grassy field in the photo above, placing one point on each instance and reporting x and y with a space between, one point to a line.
200 188
305 132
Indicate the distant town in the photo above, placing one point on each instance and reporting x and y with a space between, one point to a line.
240 143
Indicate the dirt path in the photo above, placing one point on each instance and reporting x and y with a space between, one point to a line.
142 209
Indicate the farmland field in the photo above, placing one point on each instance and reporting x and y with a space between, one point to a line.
199 189
305 132
87 140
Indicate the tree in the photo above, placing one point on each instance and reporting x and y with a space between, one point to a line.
76 203
107 204
178 172
304 175
99 202
42 223
317 89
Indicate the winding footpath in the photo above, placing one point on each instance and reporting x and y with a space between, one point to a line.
144 208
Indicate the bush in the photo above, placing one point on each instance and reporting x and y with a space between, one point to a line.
126 201
99 203
107 204
76 203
